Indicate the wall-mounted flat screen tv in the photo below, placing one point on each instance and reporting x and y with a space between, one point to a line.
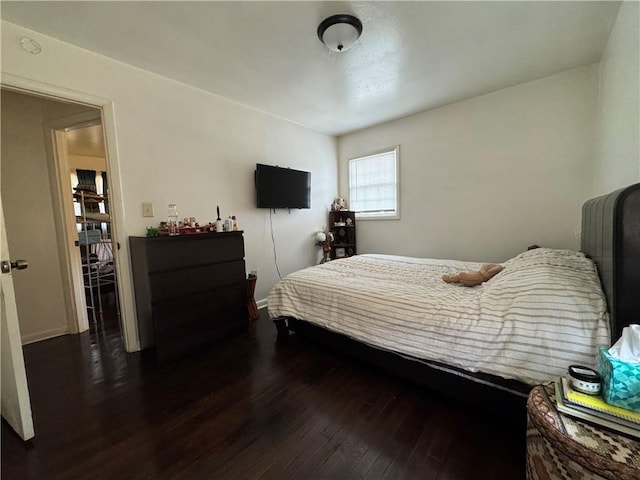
278 187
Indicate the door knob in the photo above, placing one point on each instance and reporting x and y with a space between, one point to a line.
17 265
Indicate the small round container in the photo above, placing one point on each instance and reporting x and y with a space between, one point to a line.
584 379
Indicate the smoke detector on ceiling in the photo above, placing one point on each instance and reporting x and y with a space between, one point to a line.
30 45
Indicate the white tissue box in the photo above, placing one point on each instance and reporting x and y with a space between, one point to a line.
620 381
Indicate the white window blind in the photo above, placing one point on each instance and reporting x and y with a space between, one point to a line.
373 185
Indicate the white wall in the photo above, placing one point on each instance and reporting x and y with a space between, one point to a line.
484 178
29 216
618 160
178 144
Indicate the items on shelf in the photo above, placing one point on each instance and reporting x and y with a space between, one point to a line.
153 232
339 204
97 216
172 219
189 225
218 220
96 249
342 224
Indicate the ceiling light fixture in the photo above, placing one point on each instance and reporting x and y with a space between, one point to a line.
339 32
30 45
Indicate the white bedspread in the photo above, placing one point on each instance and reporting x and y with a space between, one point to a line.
543 312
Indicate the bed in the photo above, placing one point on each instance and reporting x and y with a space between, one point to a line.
490 344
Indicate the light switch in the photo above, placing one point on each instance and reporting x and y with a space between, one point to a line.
147 209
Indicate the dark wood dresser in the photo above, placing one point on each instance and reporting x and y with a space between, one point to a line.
190 290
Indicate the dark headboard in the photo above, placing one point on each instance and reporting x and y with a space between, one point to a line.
611 237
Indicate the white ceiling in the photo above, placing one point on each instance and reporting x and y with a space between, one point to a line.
412 56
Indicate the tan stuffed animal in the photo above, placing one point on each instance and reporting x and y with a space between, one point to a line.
471 279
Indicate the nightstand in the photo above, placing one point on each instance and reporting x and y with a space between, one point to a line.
563 447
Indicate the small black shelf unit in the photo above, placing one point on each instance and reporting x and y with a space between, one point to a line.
342 223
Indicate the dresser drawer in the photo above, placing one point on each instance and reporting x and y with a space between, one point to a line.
192 250
189 337
212 306
187 281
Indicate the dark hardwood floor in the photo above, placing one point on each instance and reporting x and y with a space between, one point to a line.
251 408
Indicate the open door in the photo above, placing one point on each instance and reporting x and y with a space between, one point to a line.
15 404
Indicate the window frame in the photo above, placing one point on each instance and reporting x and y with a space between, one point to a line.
396 215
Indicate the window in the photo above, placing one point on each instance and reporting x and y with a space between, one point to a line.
373 185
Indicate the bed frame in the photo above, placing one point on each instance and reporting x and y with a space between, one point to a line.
610 237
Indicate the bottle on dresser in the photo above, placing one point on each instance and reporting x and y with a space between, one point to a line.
172 219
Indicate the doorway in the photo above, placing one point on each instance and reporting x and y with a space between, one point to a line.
48 148
81 155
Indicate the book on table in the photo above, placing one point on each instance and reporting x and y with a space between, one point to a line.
596 404
611 422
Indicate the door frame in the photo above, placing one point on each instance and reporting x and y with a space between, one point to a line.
116 205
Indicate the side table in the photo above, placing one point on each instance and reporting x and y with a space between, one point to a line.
562 447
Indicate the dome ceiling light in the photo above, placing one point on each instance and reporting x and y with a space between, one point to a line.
30 45
339 32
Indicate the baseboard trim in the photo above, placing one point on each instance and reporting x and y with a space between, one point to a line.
46 335
261 303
